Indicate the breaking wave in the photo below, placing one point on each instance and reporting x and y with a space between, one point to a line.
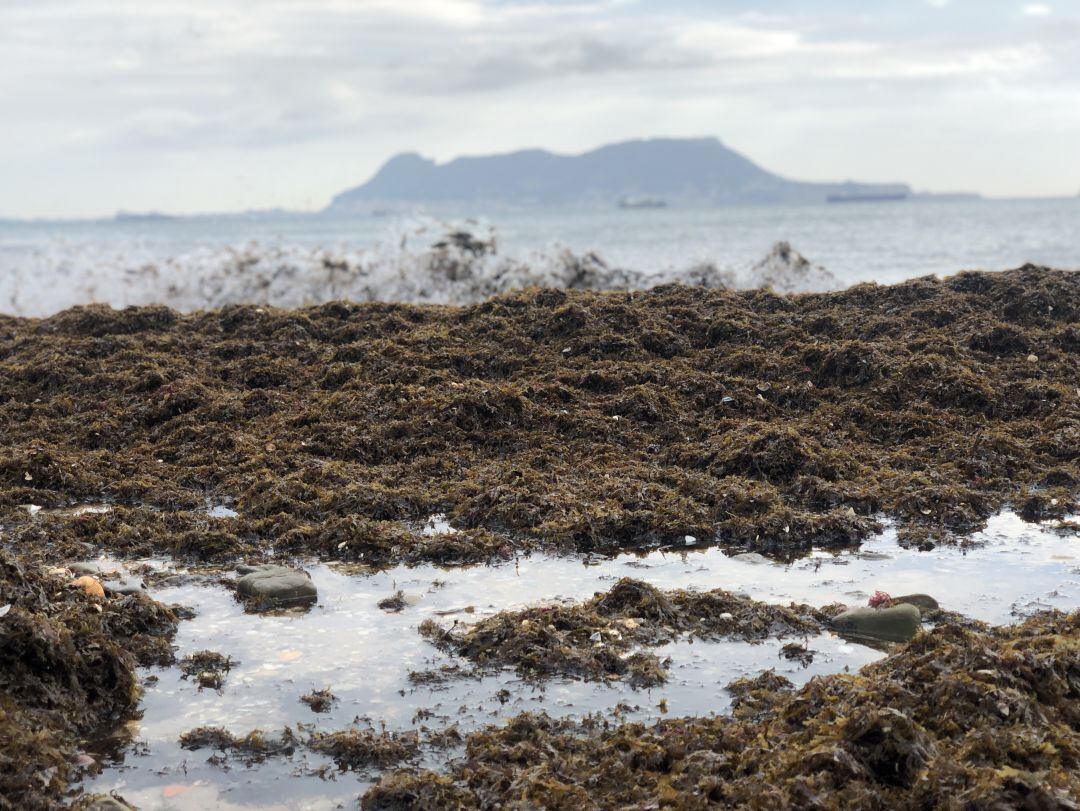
454 266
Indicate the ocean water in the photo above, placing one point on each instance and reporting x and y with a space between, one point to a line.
296 259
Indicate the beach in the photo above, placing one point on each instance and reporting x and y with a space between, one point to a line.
384 449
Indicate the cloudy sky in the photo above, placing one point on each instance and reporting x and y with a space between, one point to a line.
215 105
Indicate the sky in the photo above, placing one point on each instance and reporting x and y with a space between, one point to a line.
188 106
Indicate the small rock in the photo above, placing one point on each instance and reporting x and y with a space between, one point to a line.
1033 358
276 585
873 556
94 567
124 586
894 624
923 602
101 802
90 585
752 557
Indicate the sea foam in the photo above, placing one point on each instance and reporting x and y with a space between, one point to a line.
451 266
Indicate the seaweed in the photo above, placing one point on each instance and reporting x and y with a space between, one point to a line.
319 700
564 420
595 640
359 749
209 668
957 718
67 670
575 420
356 748
253 747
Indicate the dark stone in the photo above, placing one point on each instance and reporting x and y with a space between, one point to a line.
274 585
894 624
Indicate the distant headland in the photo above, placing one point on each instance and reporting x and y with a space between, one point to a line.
664 170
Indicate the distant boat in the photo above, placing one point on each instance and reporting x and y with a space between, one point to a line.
150 216
641 202
882 197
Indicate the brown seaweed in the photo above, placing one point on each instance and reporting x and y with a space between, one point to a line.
955 719
771 422
596 640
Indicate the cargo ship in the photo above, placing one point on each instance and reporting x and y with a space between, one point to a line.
881 197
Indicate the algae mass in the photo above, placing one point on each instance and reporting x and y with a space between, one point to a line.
573 422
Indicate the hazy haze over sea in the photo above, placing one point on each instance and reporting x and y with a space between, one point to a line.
196 262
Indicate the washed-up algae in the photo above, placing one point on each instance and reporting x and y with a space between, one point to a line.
66 673
208 668
575 419
596 639
956 719
357 748
254 747
570 420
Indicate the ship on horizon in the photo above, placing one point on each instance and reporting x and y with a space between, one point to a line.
641 202
871 197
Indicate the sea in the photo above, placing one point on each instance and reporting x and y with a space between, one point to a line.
293 259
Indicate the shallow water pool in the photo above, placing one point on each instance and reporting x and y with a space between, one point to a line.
365 655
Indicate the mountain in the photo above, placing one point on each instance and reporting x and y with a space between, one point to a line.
670 169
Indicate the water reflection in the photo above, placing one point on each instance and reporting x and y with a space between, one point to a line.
365 655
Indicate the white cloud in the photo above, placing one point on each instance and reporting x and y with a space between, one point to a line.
285 103
1036 10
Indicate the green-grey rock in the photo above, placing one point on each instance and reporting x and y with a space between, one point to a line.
897 623
275 585
923 602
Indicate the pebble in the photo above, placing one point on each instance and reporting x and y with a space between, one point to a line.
90 585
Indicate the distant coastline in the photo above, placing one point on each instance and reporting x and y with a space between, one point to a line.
664 171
